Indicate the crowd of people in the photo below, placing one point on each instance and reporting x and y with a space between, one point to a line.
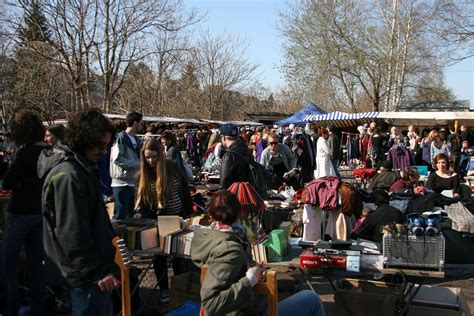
61 178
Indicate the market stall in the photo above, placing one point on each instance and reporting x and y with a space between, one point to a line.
299 117
341 119
428 119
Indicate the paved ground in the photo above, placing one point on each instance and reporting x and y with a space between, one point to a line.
321 285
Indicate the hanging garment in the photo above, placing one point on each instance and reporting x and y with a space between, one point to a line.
324 165
339 226
322 192
364 146
312 220
351 203
400 157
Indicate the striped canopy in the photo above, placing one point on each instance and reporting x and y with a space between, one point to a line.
342 119
247 195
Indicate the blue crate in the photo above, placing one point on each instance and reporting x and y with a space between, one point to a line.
422 170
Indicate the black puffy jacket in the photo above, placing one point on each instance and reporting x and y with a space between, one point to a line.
233 167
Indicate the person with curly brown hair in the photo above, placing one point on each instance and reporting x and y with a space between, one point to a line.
77 229
24 224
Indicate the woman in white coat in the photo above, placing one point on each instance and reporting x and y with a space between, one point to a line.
323 157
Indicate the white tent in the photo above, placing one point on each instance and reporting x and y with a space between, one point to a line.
426 118
238 123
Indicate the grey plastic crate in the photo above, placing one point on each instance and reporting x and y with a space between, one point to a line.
414 251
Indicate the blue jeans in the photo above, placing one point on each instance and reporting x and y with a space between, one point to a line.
335 164
124 197
22 230
91 301
304 303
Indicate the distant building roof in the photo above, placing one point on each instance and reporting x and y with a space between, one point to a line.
266 117
454 106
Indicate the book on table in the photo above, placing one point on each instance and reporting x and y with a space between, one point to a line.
166 226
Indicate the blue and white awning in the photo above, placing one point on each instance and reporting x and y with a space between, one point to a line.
342 119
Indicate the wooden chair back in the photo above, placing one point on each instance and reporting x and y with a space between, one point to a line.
267 287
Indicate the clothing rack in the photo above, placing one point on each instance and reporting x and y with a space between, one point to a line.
347 133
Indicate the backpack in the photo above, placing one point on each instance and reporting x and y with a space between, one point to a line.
259 175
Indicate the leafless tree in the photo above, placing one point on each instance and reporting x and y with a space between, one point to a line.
455 27
124 31
221 65
347 51
168 62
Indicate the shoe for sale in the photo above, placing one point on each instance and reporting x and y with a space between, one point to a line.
416 224
165 296
432 225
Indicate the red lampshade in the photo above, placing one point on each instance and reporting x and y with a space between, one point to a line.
247 195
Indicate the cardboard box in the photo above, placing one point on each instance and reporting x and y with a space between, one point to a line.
311 260
439 301
185 287
367 298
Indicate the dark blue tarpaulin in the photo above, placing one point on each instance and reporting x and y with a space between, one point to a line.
298 117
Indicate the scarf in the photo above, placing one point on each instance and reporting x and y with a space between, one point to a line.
239 231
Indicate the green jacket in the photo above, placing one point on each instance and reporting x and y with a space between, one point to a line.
226 290
77 233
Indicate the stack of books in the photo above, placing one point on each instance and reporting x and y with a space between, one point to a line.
173 238
272 247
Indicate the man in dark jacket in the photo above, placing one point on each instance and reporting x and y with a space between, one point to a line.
236 158
371 228
334 149
77 231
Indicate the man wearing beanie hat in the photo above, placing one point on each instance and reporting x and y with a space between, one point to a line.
385 177
236 158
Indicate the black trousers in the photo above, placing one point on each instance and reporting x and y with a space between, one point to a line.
160 265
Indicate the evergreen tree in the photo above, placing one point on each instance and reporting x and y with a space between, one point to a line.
34 28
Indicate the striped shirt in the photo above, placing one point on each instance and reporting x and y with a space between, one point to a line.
174 205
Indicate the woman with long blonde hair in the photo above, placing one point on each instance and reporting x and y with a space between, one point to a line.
162 190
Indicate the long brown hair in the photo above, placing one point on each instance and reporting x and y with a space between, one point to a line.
438 142
146 177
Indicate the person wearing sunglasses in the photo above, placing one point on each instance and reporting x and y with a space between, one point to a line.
277 159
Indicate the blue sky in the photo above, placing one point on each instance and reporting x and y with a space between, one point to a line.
256 22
